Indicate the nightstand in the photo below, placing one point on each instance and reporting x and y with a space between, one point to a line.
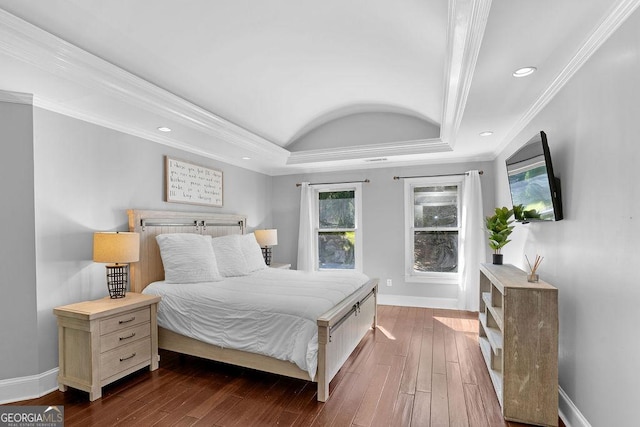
104 340
280 265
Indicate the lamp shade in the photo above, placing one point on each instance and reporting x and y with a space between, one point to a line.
266 237
116 247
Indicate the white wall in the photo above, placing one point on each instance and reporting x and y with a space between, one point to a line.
383 222
365 128
593 126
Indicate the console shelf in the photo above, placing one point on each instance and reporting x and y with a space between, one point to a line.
518 335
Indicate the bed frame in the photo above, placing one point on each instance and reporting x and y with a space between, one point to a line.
339 330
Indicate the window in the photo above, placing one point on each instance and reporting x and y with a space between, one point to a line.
432 229
338 229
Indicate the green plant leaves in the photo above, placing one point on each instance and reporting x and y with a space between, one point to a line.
499 227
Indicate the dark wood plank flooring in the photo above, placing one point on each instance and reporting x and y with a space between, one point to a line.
421 367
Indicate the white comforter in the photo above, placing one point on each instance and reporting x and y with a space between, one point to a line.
271 312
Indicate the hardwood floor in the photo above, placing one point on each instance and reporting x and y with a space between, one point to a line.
421 367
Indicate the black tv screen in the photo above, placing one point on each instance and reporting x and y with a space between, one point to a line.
532 183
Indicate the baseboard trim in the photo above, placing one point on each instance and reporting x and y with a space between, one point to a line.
569 412
423 302
23 388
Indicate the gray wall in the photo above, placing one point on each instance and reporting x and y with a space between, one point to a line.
85 178
18 331
592 126
383 221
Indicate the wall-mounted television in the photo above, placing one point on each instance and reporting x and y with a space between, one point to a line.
535 191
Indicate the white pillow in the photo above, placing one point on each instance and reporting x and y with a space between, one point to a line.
229 255
252 253
188 258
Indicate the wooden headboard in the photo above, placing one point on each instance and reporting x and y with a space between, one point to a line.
151 223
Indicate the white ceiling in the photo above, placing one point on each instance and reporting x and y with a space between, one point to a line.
242 78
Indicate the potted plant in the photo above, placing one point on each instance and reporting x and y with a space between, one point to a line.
499 228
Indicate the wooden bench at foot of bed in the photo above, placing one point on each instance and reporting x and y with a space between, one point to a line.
339 330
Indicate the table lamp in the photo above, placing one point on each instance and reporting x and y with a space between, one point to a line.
118 249
266 239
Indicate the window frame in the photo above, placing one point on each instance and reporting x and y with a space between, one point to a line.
325 188
412 276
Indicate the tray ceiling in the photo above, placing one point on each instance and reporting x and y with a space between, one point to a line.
238 79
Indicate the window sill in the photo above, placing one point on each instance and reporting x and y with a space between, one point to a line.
433 280
357 270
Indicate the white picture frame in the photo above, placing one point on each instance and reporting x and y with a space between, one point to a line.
192 184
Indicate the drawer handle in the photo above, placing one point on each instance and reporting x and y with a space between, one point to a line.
127 321
122 359
133 334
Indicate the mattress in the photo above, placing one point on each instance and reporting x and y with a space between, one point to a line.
272 312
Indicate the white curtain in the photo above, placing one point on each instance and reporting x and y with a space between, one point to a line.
472 242
306 248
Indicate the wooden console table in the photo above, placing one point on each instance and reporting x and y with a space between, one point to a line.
518 336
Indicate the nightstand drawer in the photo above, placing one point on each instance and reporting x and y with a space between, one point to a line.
124 321
125 357
123 337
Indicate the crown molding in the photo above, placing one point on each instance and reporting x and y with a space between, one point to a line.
16 97
467 23
28 43
601 33
421 146
55 107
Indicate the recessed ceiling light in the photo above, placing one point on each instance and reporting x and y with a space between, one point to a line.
524 71
246 158
164 129
486 133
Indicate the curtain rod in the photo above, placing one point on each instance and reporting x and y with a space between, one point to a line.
329 183
435 176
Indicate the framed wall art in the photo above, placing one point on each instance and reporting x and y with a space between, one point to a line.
192 184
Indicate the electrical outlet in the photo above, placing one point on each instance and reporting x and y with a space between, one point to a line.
389 282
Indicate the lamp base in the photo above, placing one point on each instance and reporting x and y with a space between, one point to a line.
266 253
117 278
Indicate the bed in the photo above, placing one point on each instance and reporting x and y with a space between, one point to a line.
349 314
